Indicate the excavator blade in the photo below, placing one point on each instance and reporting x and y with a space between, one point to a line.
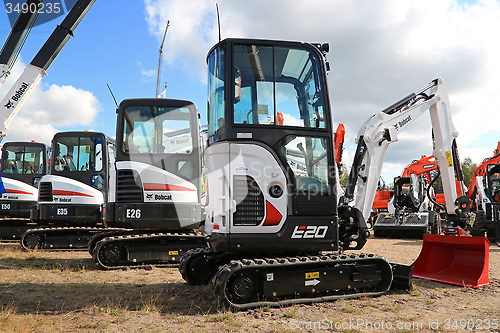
453 259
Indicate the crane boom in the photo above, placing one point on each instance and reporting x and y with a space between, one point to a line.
33 73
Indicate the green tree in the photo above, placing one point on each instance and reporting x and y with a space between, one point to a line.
344 175
468 168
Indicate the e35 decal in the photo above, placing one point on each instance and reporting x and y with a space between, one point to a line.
310 231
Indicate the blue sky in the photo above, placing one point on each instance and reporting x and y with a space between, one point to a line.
112 45
379 52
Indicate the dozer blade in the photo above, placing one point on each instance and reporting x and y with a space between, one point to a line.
453 259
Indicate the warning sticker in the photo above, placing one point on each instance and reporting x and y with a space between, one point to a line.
449 159
312 275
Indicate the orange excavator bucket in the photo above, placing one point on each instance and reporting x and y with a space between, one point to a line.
453 259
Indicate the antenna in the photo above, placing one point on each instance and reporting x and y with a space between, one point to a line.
159 62
112 94
218 20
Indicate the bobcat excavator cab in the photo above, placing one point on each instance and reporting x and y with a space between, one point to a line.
271 176
458 260
23 165
68 211
411 210
156 192
484 192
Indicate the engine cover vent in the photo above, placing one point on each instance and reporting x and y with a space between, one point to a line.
45 192
250 201
128 187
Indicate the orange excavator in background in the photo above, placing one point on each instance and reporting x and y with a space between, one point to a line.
423 166
484 193
380 203
406 214
339 144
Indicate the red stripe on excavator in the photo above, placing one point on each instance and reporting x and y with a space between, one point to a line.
165 187
78 194
273 216
17 192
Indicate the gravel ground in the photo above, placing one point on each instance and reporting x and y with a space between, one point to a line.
66 292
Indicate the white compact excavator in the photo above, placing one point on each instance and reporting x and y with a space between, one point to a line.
276 229
272 182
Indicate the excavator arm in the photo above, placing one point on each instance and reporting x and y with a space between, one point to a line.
33 73
373 139
17 37
382 129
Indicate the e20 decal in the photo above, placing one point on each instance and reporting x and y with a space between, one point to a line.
310 231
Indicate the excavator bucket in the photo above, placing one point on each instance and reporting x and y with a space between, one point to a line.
453 259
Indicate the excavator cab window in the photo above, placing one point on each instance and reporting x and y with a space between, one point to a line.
307 157
75 153
157 130
26 160
415 190
277 86
216 101
494 182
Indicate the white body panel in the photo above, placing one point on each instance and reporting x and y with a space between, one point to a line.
160 185
71 192
226 160
112 183
18 190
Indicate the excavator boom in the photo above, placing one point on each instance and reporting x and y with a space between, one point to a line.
33 73
373 140
17 37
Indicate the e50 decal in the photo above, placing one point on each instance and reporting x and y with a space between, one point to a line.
310 231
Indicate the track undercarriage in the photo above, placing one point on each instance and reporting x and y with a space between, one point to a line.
244 282
129 250
59 238
12 229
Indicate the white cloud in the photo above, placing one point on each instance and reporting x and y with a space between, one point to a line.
380 51
148 74
47 108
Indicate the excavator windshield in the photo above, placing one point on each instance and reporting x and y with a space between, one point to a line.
277 86
157 130
78 153
18 159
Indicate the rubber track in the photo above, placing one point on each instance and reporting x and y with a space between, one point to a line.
226 271
65 229
183 266
128 238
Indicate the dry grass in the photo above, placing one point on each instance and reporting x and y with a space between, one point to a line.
65 292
